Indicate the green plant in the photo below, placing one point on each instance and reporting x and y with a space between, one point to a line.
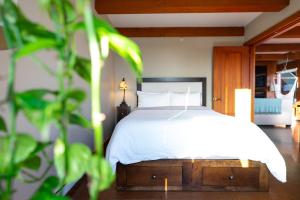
20 153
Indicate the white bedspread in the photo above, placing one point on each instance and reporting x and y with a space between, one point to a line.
196 133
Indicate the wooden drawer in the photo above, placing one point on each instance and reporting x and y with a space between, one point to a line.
154 176
231 176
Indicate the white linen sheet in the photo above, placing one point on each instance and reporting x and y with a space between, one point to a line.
195 133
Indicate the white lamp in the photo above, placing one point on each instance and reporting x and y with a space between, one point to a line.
243 104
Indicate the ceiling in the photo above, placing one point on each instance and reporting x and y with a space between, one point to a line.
283 40
285 45
183 19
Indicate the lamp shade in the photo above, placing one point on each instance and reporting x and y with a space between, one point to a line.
123 85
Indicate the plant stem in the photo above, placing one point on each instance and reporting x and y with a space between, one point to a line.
11 96
36 179
97 64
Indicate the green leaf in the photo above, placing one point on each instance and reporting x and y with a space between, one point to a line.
74 98
102 25
47 190
83 68
39 107
77 158
101 175
128 50
79 120
40 147
33 163
5 156
76 94
25 145
123 46
2 125
33 99
36 46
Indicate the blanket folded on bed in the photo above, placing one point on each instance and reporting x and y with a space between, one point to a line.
267 106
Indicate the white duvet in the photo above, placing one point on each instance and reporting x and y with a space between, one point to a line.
195 133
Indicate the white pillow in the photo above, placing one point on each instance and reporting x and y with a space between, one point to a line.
186 99
148 99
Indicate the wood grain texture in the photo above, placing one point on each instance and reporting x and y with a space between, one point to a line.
195 175
278 57
182 31
190 6
293 33
278 47
252 61
230 69
278 29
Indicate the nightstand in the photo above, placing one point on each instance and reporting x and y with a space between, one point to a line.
122 111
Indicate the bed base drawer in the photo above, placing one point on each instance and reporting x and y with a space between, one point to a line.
196 175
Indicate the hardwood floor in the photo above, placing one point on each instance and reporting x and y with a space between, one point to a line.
281 137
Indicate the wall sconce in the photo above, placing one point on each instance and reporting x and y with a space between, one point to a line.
123 86
243 104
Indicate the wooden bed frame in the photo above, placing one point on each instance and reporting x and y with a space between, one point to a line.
192 175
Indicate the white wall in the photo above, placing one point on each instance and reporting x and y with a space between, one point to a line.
173 57
267 20
29 76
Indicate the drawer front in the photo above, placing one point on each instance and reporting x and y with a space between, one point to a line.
154 176
231 176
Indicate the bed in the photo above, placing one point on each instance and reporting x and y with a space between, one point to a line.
273 111
190 148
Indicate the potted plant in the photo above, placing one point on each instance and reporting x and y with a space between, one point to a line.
20 153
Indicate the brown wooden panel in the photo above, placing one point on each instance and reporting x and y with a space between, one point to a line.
226 176
278 57
278 47
154 176
278 29
263 178
188 175
246 176
293 33
217 176
231 71
182 31
190 6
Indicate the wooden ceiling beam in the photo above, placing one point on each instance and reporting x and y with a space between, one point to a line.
189 6
278 47
278 29
293 33
277 57
182 31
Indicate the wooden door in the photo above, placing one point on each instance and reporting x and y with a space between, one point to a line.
230 71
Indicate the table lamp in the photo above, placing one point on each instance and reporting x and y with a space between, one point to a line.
123 86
